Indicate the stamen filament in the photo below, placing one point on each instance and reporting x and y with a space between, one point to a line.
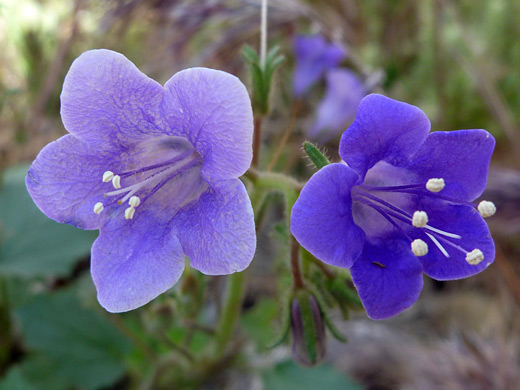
458 247
436 196
386 216
438 244
398 213
167 179
384 203
177 158
392 188
137 185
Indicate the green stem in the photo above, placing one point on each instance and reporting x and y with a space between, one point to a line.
230 312
257 140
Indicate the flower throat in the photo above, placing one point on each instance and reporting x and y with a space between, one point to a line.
396 216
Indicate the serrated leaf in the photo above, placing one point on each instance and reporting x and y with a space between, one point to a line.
85 347
32 245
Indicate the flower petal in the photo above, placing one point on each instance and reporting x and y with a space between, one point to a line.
107 100
384 129
466 222
213 110
321 219
65 181
218 232
134 261
388 277
344 92
460 157
314 55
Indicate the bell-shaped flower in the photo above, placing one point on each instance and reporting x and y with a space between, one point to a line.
155 169
313 56
345 90
400 205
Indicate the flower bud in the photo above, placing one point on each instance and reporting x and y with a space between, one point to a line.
308 329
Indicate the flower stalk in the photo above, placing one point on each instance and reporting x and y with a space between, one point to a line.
230 312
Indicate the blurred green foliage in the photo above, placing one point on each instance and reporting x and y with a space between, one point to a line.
32 245
289 376
458 60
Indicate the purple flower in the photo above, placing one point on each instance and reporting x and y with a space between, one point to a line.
155 169
344 92
314 56
400 206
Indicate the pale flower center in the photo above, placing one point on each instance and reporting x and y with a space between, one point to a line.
169 162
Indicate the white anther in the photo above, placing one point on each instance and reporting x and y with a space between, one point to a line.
475 257
487 208
435 185
420 219
107 176
419 247
129 213
116 182
134 201
98 207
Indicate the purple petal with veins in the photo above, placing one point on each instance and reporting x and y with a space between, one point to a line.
412 201
140 158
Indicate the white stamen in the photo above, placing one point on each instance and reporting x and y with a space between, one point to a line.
475 257
420 219
116 182
443 232
98 207
435 185
134 201
487 208
419 247
107 176
439 245
129 213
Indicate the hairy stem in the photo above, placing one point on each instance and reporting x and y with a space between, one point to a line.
295 264
231 311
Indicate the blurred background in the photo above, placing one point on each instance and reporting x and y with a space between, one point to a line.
459 61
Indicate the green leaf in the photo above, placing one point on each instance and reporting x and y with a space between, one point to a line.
15 380
35 372
261 77
257 322
316 156
290 376
85 347
32 245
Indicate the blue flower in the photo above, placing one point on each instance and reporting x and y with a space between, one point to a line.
314 56
155 169
400 205
337 109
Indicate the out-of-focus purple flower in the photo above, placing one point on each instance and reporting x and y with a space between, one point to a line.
314 56
400 206
155 169
344 92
